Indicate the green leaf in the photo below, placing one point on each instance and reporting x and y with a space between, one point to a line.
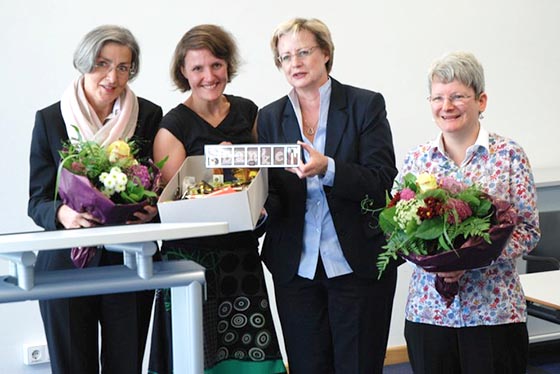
443 243
484 208
161 162
430 229
470 196
411 227
387 198
409 181
387 220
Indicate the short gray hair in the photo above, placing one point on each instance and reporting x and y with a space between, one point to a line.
459 66
88 50
316 27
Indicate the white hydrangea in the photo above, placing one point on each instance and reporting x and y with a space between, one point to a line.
406 212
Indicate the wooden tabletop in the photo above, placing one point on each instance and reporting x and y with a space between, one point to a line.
542 288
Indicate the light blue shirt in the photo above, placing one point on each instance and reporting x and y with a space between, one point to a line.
319 234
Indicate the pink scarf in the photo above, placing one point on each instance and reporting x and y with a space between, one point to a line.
77 111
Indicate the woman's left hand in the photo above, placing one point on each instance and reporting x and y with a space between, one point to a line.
316 165
145 215
451 276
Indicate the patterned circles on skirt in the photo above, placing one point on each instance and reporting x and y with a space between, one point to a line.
225 309
263 339
230 337
238 320
246 339
257 320
222 326
241 304
256 354
239 354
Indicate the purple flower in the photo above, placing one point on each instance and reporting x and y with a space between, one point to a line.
140 173
451 185
462 208
407 194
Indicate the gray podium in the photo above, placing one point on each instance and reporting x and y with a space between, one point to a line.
137 243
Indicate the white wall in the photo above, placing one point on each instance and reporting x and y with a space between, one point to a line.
385 46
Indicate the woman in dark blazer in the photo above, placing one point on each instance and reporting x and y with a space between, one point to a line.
103 108
319 247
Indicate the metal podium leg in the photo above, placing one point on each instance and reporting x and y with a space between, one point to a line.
186 326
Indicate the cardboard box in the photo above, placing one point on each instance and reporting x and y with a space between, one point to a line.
241 210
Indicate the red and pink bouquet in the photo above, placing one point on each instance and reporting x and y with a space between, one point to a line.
443 225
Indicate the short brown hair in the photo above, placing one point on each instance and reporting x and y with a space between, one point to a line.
212 37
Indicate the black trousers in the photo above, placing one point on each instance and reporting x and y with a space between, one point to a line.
338 325
72 326
499 349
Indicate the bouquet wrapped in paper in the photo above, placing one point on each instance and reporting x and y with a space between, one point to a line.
443 226
108 182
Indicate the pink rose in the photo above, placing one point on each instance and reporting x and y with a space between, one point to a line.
407 194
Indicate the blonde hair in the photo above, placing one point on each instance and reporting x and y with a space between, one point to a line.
316 27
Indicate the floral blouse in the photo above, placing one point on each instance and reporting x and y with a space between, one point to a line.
491 295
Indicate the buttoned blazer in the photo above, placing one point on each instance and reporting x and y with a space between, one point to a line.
359 141
49 133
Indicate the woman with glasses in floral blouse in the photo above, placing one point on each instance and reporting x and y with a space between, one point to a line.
484 329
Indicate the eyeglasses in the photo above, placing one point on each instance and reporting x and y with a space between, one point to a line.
105 68
456 99
302 53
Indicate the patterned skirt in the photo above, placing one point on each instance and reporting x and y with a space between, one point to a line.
239 333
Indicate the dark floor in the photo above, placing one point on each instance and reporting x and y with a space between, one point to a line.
544 358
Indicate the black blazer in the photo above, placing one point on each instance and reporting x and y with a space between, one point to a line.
48 134
360 142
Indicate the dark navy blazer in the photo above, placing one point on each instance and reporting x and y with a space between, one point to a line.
49 133
360 142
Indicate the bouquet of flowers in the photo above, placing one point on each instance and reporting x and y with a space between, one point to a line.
108 182
443 225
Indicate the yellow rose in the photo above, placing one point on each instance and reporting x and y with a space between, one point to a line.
426 182
117 150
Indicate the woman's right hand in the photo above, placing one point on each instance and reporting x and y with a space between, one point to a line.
71 219
316 165
451 276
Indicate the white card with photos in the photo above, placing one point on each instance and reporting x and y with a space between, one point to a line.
252 155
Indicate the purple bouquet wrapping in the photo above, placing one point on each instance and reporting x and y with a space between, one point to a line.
442 226
78 193
107 182
473 253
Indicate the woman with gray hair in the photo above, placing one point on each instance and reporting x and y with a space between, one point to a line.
98 106
484 328
319 247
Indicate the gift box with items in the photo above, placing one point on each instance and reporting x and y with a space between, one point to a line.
200 194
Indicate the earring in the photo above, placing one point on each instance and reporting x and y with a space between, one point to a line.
480 116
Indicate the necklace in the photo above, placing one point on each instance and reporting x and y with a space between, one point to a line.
309 130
